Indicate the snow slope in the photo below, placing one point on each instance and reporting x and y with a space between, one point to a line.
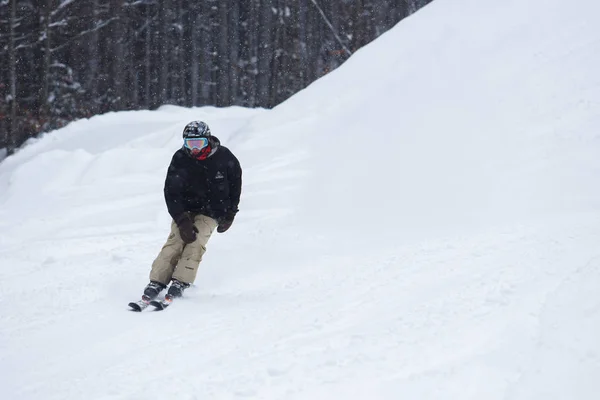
422 223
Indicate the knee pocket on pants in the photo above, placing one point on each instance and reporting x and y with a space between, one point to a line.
195 253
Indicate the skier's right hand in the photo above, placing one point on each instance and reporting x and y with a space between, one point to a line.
187 229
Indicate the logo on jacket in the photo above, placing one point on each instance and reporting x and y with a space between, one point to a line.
219 175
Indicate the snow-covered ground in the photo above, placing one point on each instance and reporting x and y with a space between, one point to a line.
422 223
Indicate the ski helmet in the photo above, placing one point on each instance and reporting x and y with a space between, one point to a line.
197 140
196 129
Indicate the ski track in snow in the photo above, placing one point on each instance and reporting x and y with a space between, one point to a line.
425 318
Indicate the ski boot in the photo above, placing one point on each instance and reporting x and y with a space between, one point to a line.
150 293
176 289
153 289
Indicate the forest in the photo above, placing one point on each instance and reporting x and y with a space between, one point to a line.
61 60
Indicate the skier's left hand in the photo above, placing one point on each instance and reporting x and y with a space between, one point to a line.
224 225
226 222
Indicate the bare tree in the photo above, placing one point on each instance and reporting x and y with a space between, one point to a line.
208 54
331 27
90 53
223 54
46 36
11 141
234 51
117 51
247 56
266 14
64 59
196 31
164 50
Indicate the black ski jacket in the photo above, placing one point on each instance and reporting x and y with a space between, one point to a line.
211 187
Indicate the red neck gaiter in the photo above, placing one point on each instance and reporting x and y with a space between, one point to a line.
204 153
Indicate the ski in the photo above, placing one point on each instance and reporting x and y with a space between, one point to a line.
160 305
140 305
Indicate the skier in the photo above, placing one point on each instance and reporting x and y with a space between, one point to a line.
202 192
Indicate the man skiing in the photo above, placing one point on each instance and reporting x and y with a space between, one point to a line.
202 192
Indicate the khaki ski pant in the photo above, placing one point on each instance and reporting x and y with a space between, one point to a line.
178 260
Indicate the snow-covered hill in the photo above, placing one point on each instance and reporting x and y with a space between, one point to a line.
422 223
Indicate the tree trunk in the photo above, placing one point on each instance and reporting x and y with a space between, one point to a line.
164 43
118 54
47 59
195 19
12 77
254 43
279 54
177 51
302 42
223 56
234 52
265 51
148 95
92 58
206 53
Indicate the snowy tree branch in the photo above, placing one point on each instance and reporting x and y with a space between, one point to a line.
337 37
82 34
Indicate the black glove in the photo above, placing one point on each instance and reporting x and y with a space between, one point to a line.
187 229
226 221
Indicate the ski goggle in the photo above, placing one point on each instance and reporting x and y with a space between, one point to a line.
195 143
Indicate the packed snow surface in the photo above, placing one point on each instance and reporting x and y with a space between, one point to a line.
422 223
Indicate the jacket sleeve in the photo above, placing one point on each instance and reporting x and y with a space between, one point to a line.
174 187
235 182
